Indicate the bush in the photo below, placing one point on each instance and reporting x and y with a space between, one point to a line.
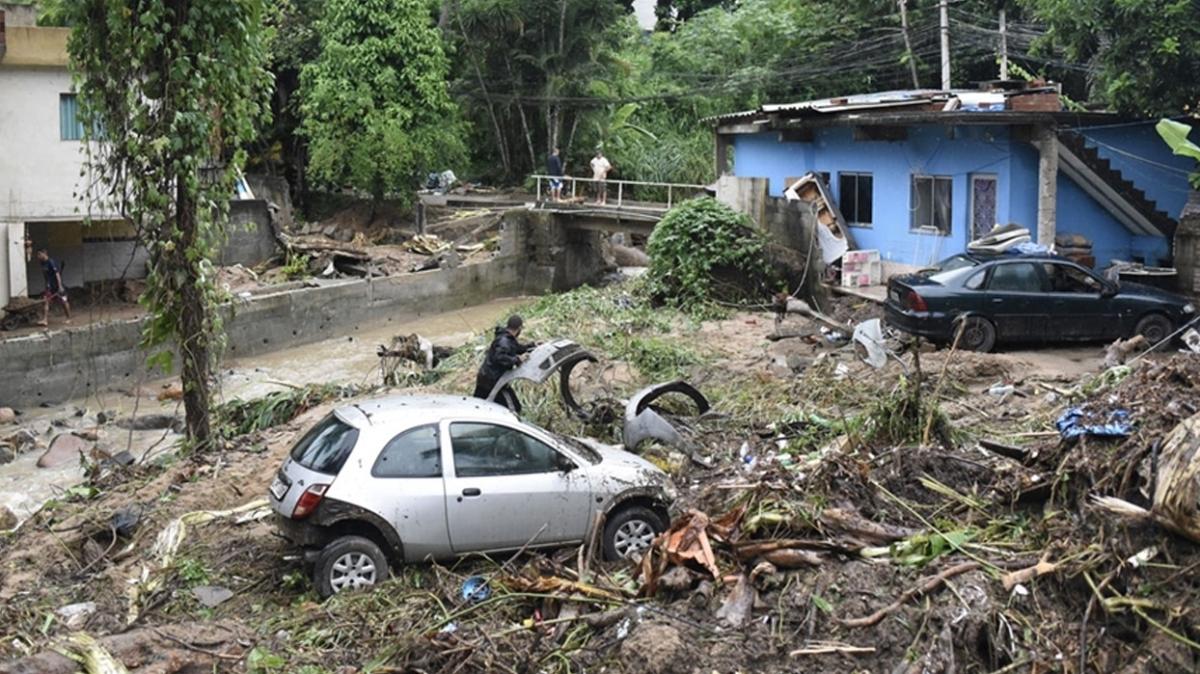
703 250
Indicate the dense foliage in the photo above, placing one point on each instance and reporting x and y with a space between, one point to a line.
375 107
171 90
703 250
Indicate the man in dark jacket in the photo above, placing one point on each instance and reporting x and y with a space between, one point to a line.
55 290
504 354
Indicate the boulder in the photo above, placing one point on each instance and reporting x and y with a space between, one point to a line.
22 441
6 454
7 415
148 422
63 448
7 519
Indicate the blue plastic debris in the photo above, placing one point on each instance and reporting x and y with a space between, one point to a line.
475 589
1072 424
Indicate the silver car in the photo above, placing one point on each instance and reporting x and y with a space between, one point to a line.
416 478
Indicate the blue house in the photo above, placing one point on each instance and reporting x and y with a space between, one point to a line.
918 174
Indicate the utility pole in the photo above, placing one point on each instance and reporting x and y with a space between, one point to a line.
945 25
1003 44
912 59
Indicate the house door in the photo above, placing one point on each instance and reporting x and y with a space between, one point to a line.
983 204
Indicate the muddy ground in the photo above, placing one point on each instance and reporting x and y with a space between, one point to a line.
907 545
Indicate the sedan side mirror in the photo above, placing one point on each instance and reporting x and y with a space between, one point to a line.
1108 290
564 464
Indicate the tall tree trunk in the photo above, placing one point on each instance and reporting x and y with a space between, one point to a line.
533 163
505 161
194 340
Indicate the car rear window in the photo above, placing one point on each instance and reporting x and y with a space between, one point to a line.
324 448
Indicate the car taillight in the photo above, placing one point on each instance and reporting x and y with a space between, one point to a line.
309 501
915 302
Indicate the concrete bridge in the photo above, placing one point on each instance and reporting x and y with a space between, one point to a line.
632 206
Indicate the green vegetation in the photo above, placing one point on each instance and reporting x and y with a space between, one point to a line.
239 417
702 250
178 94
375 107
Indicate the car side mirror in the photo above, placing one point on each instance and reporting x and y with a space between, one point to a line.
564 464
1108 290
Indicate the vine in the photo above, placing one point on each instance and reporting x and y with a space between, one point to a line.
168 94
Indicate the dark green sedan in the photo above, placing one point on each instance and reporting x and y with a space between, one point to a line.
1040 298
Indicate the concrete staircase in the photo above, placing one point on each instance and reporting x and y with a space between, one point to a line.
1100 167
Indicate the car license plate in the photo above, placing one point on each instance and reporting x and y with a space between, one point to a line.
278 488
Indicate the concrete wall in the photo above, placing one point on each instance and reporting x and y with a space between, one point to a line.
39 172
1139 153
959 152
61 365
250 238
538 253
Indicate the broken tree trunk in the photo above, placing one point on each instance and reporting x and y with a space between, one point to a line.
1176 504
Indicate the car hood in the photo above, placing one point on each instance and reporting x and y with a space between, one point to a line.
620 470
1130 288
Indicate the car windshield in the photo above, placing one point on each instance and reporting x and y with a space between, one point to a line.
580 448
325 447
953 262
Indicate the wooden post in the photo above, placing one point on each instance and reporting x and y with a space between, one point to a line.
1047 146
721 154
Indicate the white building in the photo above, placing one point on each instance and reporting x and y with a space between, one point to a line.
41 160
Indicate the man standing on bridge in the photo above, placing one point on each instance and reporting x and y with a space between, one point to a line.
504 354
554 167
600 169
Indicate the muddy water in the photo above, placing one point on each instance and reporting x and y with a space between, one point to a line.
348 359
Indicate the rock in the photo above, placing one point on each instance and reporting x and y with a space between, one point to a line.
76 615
63 448
656 648
126 519
7 415
626 256
171 392
90 434
212 596
148 422
105 416
7 519
6 454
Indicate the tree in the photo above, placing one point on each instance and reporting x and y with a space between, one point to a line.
375 107
169 92
1143 56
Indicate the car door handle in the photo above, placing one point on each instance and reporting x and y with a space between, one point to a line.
471 491
997 300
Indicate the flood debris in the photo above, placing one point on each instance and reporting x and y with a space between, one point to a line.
646 421
412 348
1077 422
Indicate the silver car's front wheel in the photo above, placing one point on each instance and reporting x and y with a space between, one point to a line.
633 536
631 531
349 563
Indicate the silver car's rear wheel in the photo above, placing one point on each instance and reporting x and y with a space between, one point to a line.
630 531
349 563
352 571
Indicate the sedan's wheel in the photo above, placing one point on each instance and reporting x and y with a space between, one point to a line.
630 531
349 563
1154 328
978 334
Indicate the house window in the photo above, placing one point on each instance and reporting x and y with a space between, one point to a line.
69 126
855 193
930 203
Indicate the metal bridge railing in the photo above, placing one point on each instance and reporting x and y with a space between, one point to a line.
673 189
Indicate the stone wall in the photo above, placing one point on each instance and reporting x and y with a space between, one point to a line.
1187 246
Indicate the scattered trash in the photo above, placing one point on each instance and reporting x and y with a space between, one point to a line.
426 244
125 520
75 615
738 604
686 542
643 420
1074 423
212 596
475 589
85 650
1143 556
870 335
1001 390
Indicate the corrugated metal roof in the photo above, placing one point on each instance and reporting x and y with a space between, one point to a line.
858 101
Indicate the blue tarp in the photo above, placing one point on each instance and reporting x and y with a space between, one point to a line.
1073 424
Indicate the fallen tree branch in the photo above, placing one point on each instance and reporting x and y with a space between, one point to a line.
930 584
